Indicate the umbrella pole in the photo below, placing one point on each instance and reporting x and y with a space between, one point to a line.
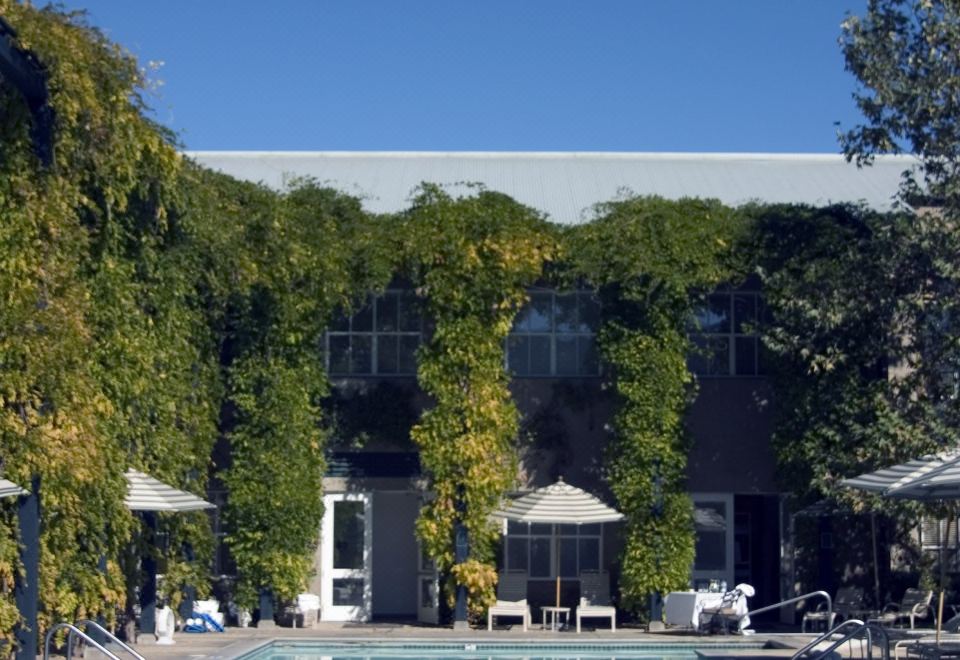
951 514
876 563
558 571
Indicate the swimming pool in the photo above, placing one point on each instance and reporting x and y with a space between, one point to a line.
324 650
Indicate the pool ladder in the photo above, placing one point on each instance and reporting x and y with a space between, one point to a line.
849 631
74 629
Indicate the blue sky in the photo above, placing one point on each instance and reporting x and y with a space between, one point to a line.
558 75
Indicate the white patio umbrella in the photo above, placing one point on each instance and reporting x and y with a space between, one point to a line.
928 478
144 493
559 504
10 489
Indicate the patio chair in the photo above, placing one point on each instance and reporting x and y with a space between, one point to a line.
595 599
847 601
511 599
914 605
732 609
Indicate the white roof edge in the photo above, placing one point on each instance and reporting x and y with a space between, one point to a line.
612 155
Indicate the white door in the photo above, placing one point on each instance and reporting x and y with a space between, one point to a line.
428 589
346 543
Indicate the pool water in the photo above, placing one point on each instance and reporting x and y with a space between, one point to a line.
476 650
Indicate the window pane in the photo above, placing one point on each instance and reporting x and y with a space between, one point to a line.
744 313
363 319
711 527
535 315
589 554
567 362
718 356
567 530
408 312
541 528
566 312
518 354
339 354
589 313
517 553
348 591
514 527
428 592
361 354
589 360
746 357
340 322
591 529
387 312
348 524
568 557
540 355
408 354
386 354
715 317
540 557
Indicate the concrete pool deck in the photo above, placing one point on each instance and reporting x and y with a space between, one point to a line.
229 644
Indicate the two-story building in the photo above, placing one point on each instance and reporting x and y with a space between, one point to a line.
368 563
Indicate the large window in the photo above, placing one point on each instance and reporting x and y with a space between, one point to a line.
541 549
381 339
724 334
555 335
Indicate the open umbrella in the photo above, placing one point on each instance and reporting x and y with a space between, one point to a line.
928 478
559 504
10 489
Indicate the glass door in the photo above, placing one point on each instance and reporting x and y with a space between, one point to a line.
346 542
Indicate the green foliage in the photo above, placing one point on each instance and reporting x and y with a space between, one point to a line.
471 259
904 53
650 258
851 293
304 266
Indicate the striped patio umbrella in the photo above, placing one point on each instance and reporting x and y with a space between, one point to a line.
559 504
144 493
928 478
10 489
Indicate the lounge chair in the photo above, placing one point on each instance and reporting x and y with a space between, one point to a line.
511 599
848 601
595 599
732 609
914 605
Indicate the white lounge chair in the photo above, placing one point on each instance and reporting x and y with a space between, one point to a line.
595 599
511 599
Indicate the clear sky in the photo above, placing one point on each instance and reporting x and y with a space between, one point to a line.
554 75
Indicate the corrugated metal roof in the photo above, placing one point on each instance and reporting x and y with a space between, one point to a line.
566 186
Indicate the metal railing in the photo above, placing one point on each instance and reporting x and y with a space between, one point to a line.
857 627
790 601
110 636
72 629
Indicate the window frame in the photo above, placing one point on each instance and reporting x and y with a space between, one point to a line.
553 336
374 334
515 530
731 334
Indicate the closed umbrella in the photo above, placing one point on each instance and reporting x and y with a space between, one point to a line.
928 478
559 504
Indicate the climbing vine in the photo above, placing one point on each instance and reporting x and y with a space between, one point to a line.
470 259
650 258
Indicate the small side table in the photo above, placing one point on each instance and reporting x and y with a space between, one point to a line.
550 614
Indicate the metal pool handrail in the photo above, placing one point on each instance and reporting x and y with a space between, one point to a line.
73 629
790 601
113 638
858 627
